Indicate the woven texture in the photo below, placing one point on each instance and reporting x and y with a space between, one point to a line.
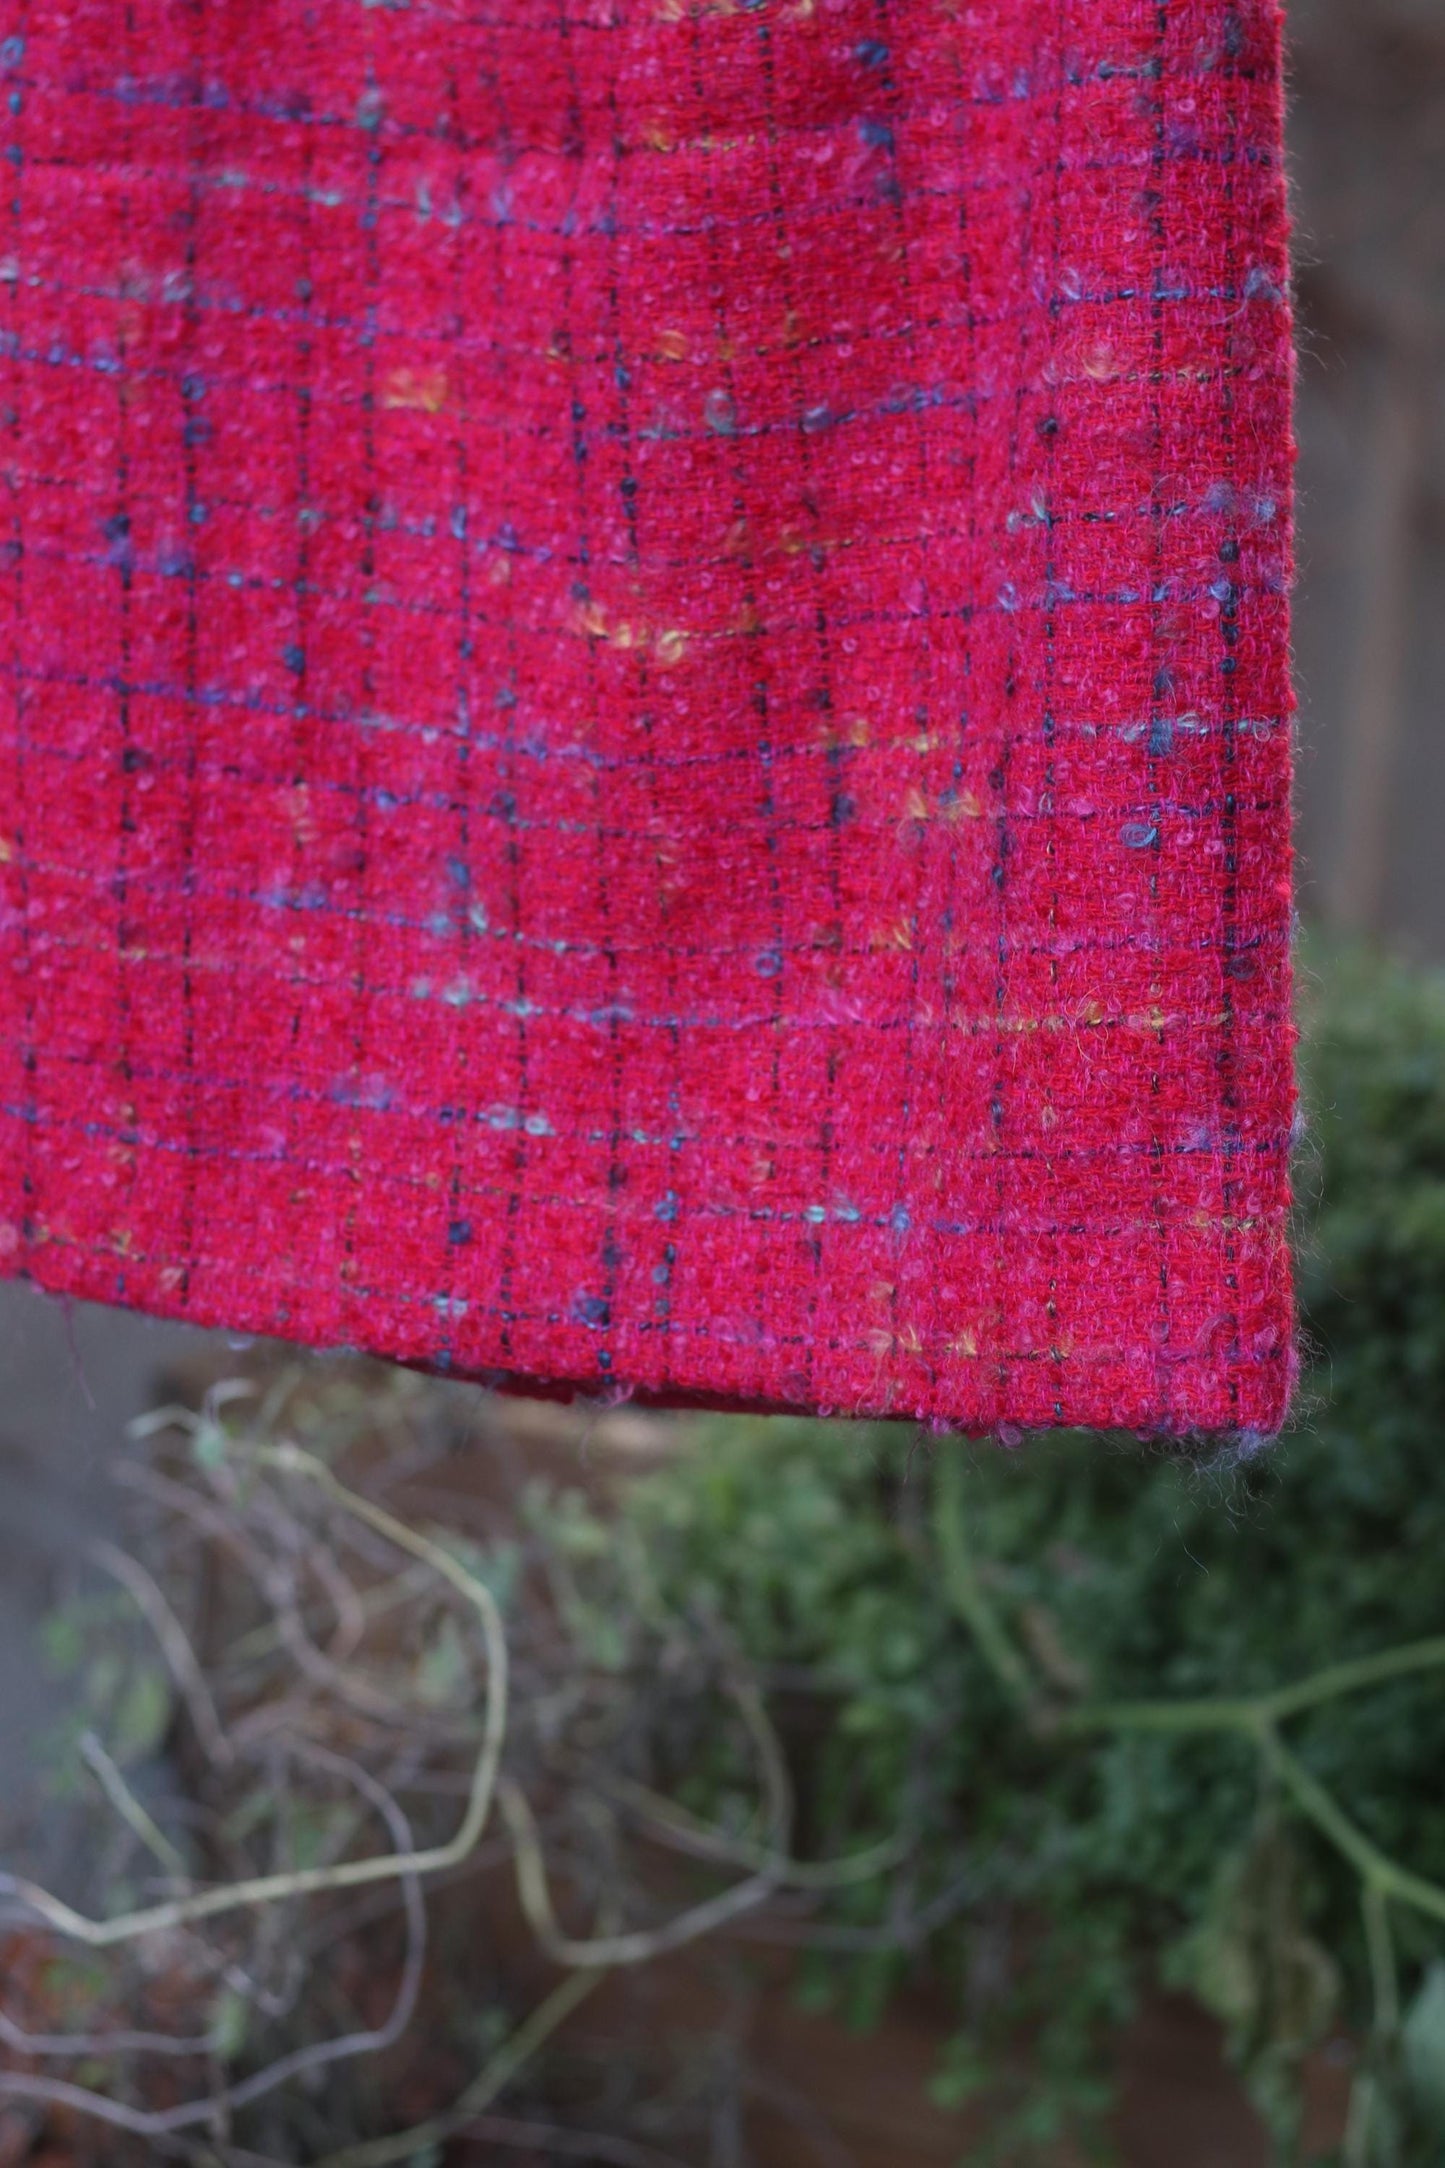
645 699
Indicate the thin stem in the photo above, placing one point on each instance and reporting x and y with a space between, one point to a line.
964 1589
668 1823
1360 2123
515 2052
535 1896
1172 1716
1367 2090
1375 1866
376 1603
1247 1712
181 1658
1384 1973
1349 1678
129 1808
777 1784
63 2093
349 1874
99 2044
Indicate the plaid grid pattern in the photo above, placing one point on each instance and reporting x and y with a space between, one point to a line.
644 695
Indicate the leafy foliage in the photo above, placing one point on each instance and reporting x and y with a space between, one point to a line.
1048 1878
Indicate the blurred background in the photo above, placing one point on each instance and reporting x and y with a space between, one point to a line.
1368 142
831 1829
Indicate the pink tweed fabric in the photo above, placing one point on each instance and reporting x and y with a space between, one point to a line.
643 691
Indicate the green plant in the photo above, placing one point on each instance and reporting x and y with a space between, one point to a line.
936 1629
